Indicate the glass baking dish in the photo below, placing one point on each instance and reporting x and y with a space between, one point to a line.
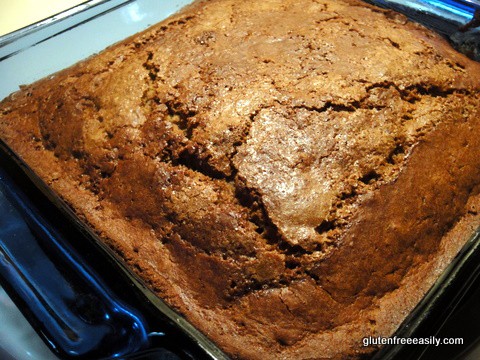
77 269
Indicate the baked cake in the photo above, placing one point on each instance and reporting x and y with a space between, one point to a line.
290 175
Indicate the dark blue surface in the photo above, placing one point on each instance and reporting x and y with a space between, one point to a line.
459 7
70 305
81 300
440 8
69 302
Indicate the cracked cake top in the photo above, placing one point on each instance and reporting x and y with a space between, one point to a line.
280 172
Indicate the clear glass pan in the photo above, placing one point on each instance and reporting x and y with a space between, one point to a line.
55 43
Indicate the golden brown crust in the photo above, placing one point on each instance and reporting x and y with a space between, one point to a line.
280 172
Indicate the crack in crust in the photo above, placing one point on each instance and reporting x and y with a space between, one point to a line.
239 157
182 151
179 124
